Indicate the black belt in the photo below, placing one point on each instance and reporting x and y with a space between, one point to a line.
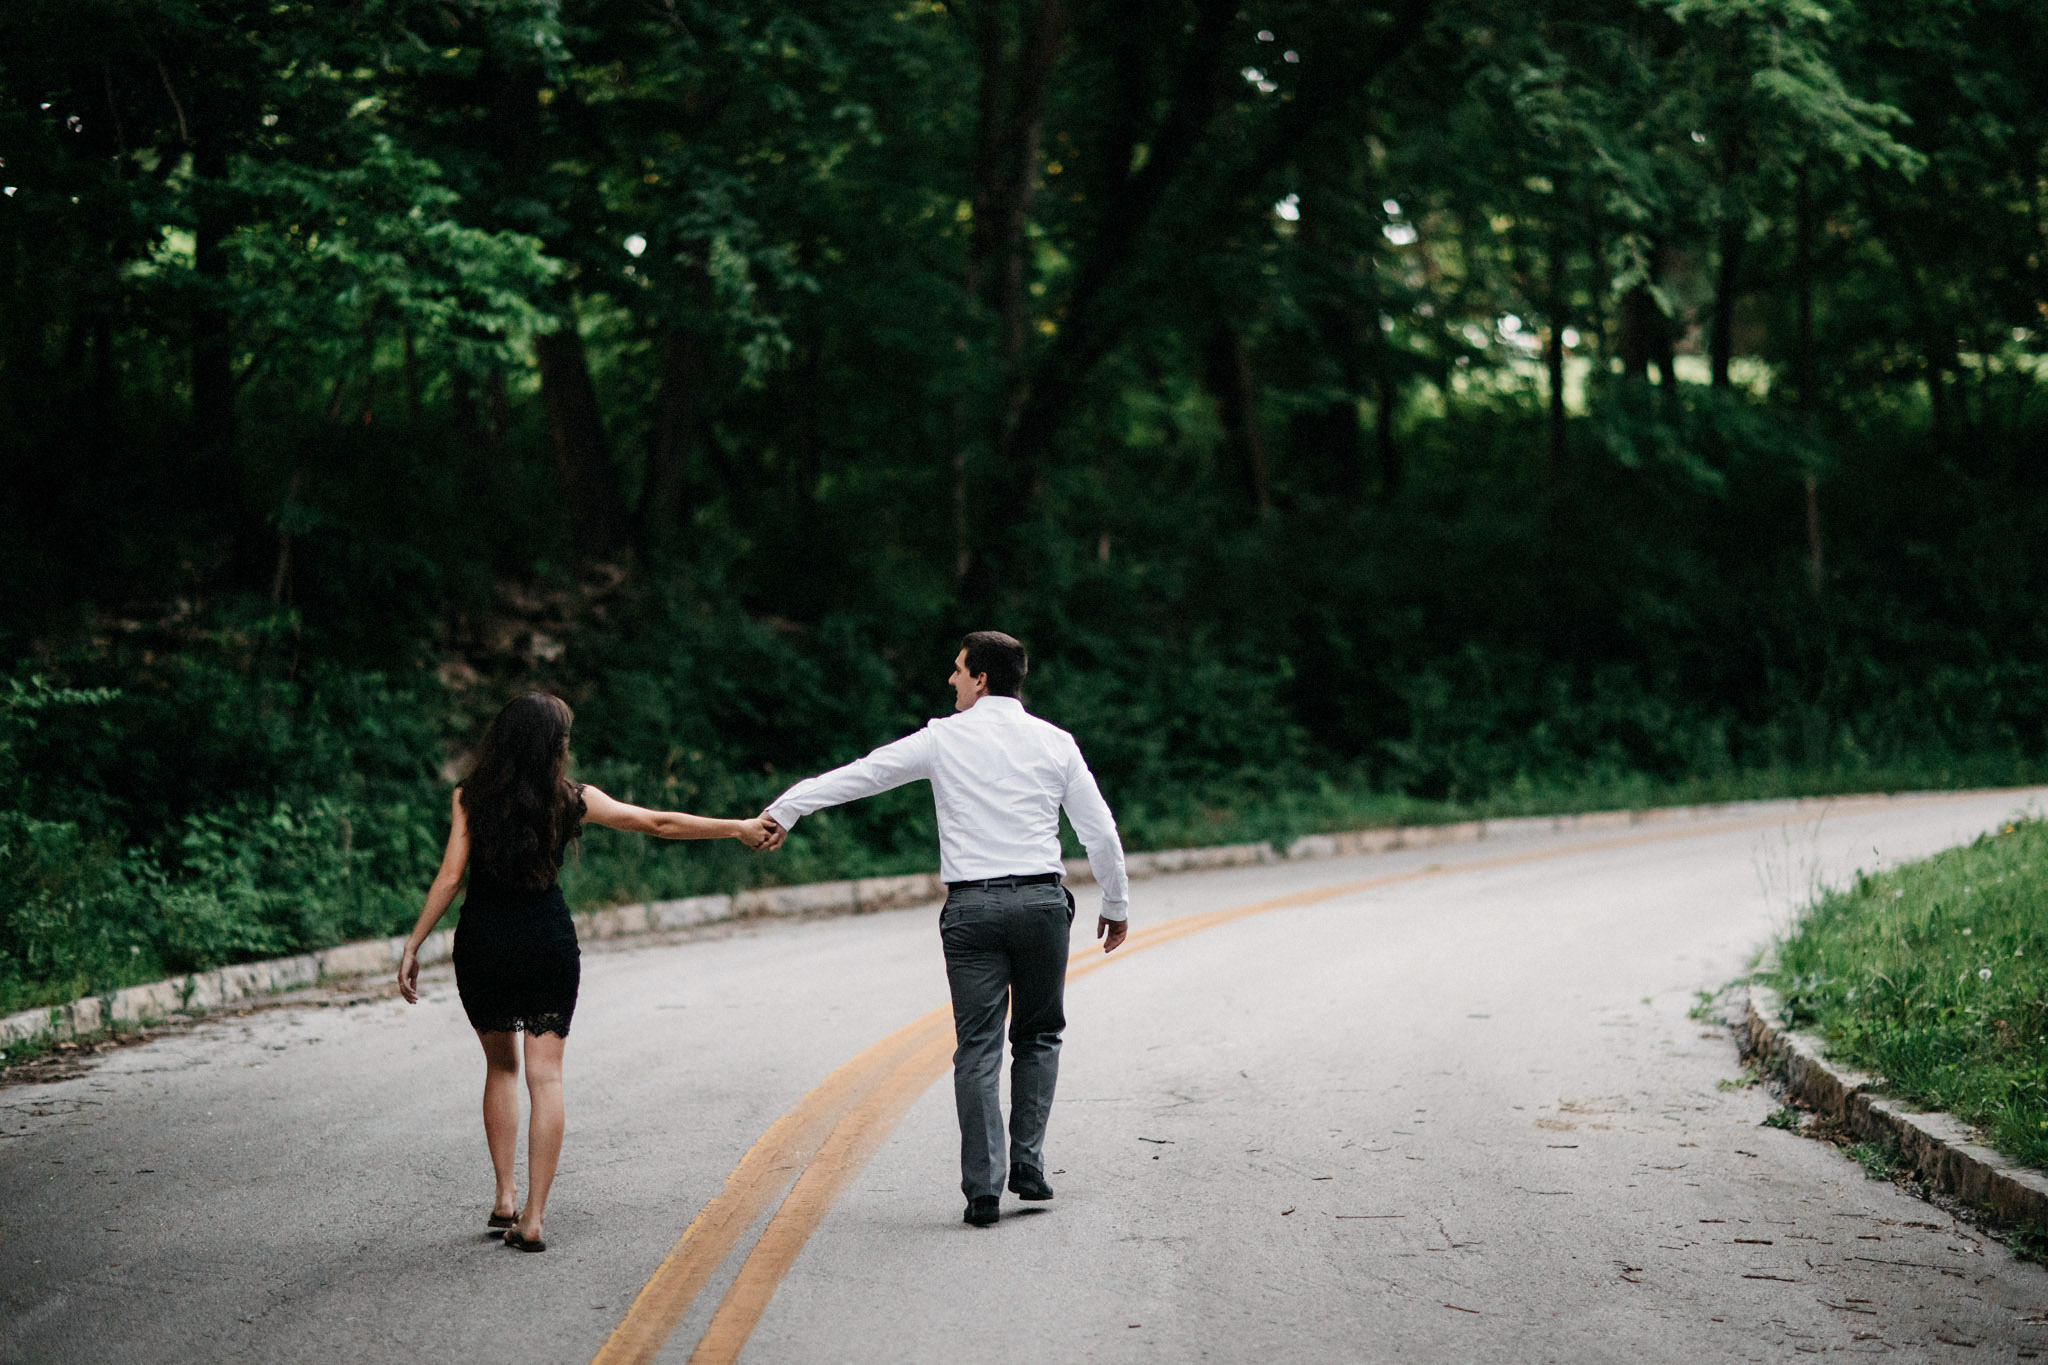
1036 879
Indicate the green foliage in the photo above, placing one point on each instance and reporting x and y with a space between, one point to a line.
262 816
1366 412
256 880
1933 975
1879 1160
332 256
1787 1118
2029 1243
72 919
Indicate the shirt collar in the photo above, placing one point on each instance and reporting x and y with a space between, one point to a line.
999 703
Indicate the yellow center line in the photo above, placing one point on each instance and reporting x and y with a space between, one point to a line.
854 1139
766 1170
833 1131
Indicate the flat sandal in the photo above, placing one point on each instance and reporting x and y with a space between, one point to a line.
503 1220
518 1243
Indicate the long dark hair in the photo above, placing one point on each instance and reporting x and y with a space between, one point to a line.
522 810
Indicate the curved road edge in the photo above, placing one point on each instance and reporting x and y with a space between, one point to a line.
202 993
1940 1148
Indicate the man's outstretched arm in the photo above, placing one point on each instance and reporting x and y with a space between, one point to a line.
906 760
1097 828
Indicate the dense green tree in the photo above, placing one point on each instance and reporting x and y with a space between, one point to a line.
1426 399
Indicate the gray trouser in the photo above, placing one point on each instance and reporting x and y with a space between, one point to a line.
1005 946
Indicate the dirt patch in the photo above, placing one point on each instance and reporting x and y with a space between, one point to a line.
67 1061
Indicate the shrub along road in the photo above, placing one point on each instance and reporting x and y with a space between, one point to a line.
1436 1105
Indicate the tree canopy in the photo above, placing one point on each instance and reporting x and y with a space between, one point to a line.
1444 398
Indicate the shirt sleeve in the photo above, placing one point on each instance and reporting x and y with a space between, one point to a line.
906 760
1097 827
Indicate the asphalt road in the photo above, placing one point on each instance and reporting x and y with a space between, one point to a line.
1439 1105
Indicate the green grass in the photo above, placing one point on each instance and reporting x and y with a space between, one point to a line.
1320 805
78 917
1934 977
1879 1160
895 834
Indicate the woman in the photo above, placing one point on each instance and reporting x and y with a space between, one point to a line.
516 961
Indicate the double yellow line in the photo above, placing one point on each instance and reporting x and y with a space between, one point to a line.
815 1149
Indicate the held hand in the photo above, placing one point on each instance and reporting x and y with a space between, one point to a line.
775 832
409 977
753 833
1111 932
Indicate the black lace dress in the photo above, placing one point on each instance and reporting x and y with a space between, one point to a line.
517 965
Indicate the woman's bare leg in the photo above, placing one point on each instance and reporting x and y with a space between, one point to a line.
501 1113
544 1126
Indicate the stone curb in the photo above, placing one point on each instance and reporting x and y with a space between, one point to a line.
204 991
1941 1150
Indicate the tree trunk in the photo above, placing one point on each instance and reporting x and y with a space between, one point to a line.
1961 439
1646 340
1010 127
287 511
1727 278
1237 399
497 408
1939 346
1013 177
481 409
1802 290
1639 318
992 100
963 546
678 401
412 379
469 427
1553 363
281 575
213 380
1012 112
104 384
807 382
1387 398
576 430
1553 358
1802 359
1326 445
1935 339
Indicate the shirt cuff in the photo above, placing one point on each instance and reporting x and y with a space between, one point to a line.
782 818
1115 911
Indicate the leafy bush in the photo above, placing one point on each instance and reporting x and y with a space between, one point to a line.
202 815
72 917
255 879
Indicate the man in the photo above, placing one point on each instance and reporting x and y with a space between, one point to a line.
1000 777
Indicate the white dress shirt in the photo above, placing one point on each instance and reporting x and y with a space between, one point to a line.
999 777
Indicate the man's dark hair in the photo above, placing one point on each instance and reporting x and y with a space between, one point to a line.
1001 657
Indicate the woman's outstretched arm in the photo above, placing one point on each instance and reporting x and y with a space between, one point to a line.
600 809
439 896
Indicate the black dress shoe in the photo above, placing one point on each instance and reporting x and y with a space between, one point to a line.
1026 1182
983 1210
